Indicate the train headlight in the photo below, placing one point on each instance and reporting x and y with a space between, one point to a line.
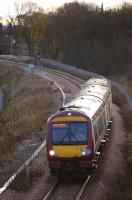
53 153
86 152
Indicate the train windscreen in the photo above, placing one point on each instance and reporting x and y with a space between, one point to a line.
69 133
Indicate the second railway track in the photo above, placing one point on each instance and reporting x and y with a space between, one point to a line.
66 75
104 186
74 80
71 82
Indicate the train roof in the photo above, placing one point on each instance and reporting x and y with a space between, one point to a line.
90 97
98 81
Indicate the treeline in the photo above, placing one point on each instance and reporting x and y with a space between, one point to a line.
80 34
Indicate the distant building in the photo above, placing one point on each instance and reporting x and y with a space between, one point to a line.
5 44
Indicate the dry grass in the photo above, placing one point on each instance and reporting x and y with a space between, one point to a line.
127 116
26 107
25 179
118 98
126 148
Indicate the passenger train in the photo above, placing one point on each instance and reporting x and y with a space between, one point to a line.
78 130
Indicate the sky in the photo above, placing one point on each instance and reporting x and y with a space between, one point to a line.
6 6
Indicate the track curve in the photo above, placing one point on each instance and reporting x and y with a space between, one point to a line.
103 183
68 84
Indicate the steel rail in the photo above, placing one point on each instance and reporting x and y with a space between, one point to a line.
78 196
54 82
82 188
78 85
67 75
51 191
75 81
69 69
39 149
30 159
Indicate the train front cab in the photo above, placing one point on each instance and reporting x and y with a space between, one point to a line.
69 141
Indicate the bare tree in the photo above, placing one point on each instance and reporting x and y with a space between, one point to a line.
25 14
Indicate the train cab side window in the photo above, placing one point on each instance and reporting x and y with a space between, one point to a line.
96 133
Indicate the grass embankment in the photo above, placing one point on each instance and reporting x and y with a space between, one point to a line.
27 103
126 148
127 151
125 80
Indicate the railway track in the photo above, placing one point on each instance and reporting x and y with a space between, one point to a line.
108 173
51 191
65 75
82 189
78 196
75 81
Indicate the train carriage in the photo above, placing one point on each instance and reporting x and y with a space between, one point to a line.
77 131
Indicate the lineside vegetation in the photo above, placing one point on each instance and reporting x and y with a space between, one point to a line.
27 104
126 147
80 34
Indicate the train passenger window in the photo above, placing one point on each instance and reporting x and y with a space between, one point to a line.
104 118
109 106
108 111
96 132
100 125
